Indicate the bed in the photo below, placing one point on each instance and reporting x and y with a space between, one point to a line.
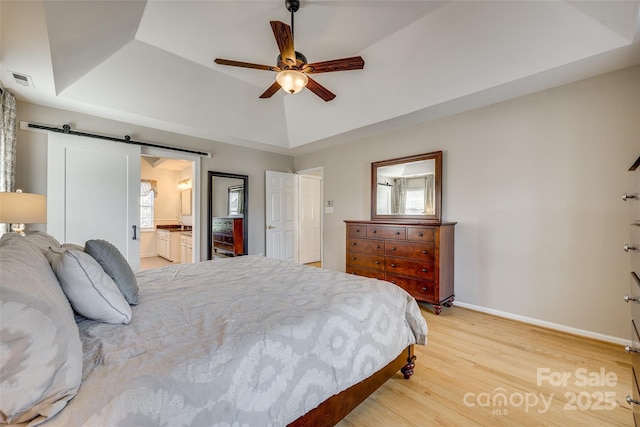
242 341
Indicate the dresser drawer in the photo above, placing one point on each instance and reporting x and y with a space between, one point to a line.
387 232
634 292
374 247
421 234
635 369
410 268
634 242
634 190
417 251
374 274
423 290
364 260
357 231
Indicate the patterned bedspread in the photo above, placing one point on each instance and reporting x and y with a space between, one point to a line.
248 341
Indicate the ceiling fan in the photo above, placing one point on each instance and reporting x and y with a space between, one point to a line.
292 66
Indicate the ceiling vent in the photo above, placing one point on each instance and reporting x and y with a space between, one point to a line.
22 79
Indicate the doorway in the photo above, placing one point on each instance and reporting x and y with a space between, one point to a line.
171 236
294 216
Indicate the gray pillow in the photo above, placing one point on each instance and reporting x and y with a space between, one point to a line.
41 351
90 290
116 266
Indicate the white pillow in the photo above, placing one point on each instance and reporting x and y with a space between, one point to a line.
40 351
90 290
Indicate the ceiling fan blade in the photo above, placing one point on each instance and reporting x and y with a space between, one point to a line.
272 89
284 39
245 64
320 90
344 64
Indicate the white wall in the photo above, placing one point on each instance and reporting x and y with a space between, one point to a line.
534 184
31 160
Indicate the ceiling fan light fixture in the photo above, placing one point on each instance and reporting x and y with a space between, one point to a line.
292 81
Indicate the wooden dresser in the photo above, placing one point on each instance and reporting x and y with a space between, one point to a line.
418 257
632 197
228 236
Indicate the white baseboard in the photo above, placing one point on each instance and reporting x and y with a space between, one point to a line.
545 324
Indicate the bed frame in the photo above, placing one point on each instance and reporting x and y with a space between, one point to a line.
332 410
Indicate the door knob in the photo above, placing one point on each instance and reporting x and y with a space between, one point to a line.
626 196
270 227
628 248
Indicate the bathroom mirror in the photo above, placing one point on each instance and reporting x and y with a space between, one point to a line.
228 195
407 188
185 202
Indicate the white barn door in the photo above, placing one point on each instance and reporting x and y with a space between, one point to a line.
93 192
281 215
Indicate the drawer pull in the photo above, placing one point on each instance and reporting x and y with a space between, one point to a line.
393 249
630 400
357 230
425 289
377 246
353 258
354 244
626 196
630 349
375 231
420 235
393 281
628 248
424 270
627 298
393 265
424 252
377 262
397 233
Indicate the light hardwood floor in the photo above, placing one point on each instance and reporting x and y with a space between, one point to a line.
472 359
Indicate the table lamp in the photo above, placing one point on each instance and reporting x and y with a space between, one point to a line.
21 208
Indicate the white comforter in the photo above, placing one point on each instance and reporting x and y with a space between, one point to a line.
246 341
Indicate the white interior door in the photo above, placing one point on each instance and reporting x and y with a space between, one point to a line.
310 219
93 192
281 215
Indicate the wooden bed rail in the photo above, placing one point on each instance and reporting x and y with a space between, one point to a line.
332 410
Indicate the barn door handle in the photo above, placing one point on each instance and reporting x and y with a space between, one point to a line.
135 237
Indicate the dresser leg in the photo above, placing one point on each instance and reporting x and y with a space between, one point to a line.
437 309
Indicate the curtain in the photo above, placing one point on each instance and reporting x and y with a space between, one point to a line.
148 185
8 143
241 202
429 195
399 195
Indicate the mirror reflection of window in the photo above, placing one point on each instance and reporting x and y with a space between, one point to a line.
235 200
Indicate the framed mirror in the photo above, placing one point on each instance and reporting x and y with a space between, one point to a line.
228 202
185 202
407 188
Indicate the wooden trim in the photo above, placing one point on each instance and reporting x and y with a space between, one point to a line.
332 410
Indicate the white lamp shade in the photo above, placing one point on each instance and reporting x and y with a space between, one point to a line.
24 208
292 81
